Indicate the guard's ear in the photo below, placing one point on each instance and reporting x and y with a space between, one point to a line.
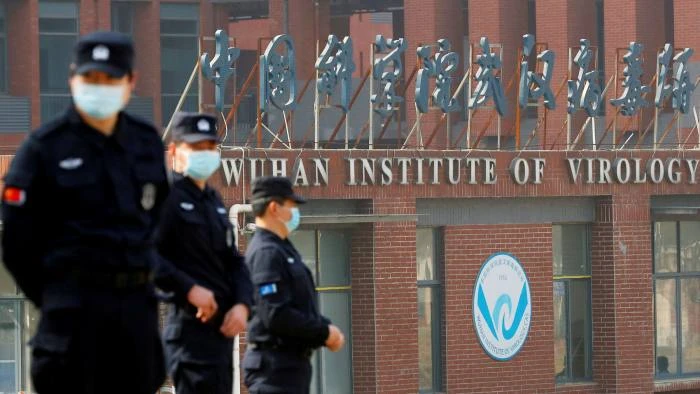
133 78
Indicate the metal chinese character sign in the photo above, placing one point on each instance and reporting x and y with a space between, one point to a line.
221 66
682 86
336 65
674 84
278 75
585 91
631 100
441 66
663 88
386 99
534 85
488 84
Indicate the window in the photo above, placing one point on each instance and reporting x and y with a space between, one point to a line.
677 298
327 254
123 17
18 321
3 49
58 33
572 302
429 311
179 52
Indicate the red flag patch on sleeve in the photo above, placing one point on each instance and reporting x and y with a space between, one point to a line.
14 196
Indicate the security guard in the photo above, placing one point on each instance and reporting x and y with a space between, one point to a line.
286 325
80 204
196 236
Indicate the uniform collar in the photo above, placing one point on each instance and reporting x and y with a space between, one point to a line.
269 234
94 136
191 188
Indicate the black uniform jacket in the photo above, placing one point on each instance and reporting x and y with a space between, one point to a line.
286 312
196 237
79 202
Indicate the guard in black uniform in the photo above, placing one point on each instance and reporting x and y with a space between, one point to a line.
286 326
196 235
80 205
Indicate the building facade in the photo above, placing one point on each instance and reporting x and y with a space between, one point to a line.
414 216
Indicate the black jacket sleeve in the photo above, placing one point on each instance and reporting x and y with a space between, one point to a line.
167 276
240 279
273 299
23 236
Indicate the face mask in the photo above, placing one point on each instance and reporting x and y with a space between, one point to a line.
293 223
201 164
99 101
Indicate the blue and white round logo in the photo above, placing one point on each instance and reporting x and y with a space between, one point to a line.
502 306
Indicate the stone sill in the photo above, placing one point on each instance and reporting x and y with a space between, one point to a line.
661 386
577 387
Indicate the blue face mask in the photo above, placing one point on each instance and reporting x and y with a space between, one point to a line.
201 164
293 223
99 101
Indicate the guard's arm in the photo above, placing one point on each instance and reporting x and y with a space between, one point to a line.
166 275
273 300
240 278
23 237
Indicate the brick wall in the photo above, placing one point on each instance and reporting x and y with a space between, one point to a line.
395 299
466 248
363 311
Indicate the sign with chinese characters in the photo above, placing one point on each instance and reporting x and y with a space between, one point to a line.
387 71
221 66
533 85
438 68
335 65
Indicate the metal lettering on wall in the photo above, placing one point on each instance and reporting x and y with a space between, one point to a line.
631 100
682 87
336 64
278 80
584 92
441 66
489 84
533 85
387 98
386 171
221 67
278 83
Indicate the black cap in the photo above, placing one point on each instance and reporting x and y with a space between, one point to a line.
275 186
193 127
105 51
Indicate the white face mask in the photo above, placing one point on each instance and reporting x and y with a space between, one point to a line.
202 164
98 101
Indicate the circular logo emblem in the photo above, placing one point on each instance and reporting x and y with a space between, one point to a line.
502 306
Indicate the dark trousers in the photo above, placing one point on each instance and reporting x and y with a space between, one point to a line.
274 371
103 342
200 378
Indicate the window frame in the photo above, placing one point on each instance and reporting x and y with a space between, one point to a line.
567 280
131 6
678 276
437 315
63 93
190 95
22 333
